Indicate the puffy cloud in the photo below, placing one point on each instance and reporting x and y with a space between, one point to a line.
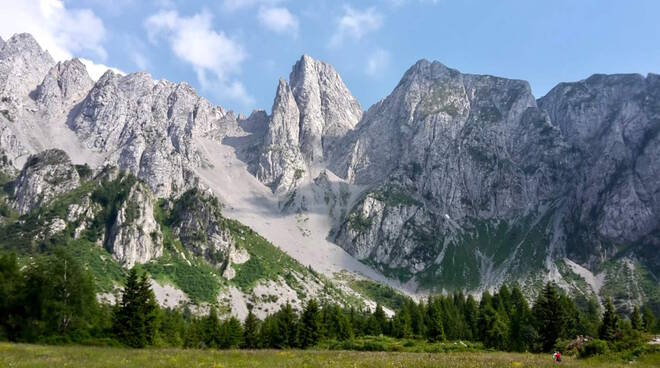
63 32
377 63
214 57
355 24
95 70
278 19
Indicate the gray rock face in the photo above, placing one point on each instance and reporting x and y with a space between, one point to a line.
198 222
66 84
44 176
23 65
148 127
327 108
309 115
613 122
135 236
281 163
468 175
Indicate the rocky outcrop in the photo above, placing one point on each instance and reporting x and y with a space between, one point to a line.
281 163
309 115
44 176
23 65
447 153
148 127
135 236
613 124
65 85
198 223
327 108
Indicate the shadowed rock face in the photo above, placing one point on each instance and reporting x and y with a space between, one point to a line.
613 124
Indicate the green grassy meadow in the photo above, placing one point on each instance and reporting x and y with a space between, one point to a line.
24 356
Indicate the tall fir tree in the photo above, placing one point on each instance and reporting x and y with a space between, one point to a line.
549 317
636 320
310 325
250 331
609 327
434 328
648 320
135 318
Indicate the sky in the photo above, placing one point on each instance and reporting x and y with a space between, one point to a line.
234 51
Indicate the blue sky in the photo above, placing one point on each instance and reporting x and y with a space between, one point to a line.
234 51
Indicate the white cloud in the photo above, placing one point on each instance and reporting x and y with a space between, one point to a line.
140 60
233 5
355 24
63 32
278 19
95 70
214 57
377 63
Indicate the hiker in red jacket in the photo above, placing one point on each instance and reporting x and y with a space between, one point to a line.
556 357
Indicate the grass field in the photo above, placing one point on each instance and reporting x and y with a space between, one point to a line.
20 355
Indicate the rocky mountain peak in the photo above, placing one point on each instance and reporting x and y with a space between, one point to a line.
2 43
66 84
327 108
23 64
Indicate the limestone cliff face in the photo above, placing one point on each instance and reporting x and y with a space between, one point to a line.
613 124
148 127
309 115
23 65
44 176
65 85
135 236
327 108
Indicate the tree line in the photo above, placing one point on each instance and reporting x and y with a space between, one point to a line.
52 299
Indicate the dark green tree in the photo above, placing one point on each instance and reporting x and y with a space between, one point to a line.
309 332
434 328
250 331
648 320
232 333
549 317
636 320
609 327
11 285
135 318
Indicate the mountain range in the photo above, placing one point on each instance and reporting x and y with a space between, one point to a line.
452 182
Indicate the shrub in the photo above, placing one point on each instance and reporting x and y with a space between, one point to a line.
594 347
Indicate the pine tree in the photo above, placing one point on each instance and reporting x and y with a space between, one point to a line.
434 329
250 331
310 325
609 327
287 323
212 330
471 315
548 314
521 331
649 320
381 319
11 283
135 318
232 333
636 320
